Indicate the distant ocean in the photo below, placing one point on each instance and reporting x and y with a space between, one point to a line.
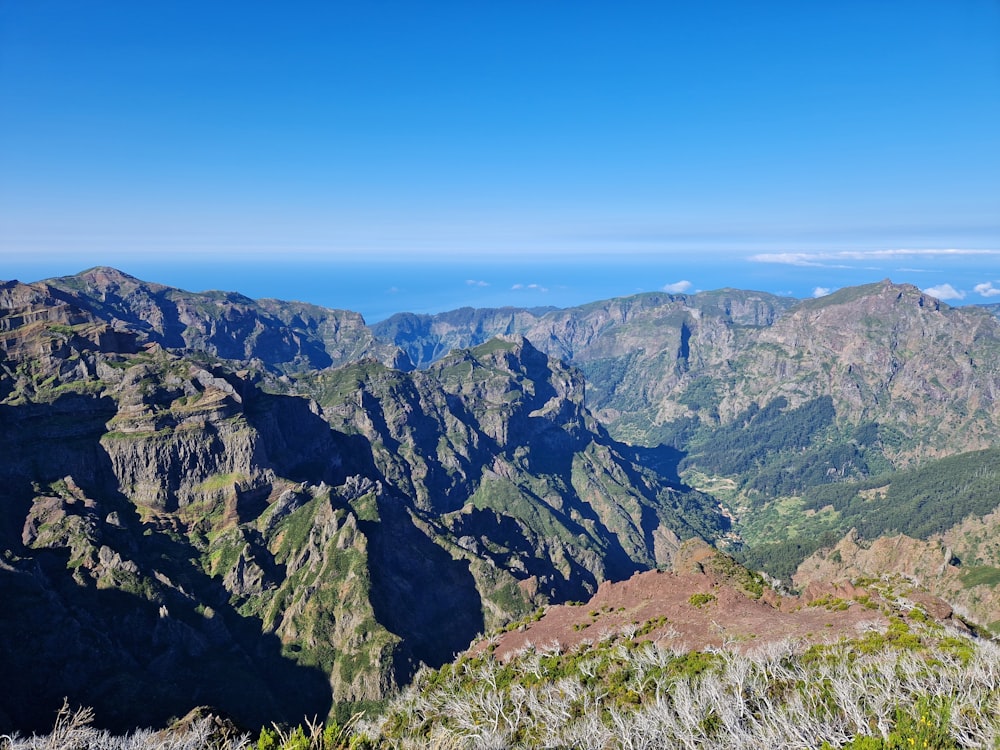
379 288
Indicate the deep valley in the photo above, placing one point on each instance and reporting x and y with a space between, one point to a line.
278 511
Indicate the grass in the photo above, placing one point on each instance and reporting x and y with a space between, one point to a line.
218 482
981 575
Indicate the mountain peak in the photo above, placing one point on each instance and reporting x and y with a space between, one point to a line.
876 295
107 274
103 279
109 271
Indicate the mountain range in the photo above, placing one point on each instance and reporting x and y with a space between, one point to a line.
279 511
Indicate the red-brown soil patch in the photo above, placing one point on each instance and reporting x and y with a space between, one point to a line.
731 618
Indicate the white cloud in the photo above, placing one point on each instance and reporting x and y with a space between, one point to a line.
944 292
476 282
518 286
820 291
839 258
678 287
986 289
533 287
792 259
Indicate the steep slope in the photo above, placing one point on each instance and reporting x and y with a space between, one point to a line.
144 499
497 443
792 413
659 367
283 336
884 353
163 514
960 564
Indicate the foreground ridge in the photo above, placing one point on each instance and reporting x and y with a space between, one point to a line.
913 685
897 688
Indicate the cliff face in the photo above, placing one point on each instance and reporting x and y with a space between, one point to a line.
179 529
886 353
144 500
497 444
961 564
282 336
659 366
264 493
646 323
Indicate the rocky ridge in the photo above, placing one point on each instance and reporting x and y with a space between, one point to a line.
267 489
661 366
284 337
308 541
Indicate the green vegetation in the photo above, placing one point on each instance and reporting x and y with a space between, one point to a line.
758 433
752 584
831 603
981 575
917 502
781 559
344 384
605 376
702 395
701 599
885 690
775 450
218 482
654 623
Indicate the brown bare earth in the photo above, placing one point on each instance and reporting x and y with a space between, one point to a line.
696 609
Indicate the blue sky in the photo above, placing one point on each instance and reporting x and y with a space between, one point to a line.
385 156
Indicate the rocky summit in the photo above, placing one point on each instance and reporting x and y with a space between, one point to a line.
278 511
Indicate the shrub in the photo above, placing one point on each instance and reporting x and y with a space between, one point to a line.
700 600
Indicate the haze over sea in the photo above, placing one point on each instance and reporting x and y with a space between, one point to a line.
387 156
379 288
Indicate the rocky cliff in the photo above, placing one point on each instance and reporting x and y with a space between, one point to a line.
182 526
260 505
280 336
661 366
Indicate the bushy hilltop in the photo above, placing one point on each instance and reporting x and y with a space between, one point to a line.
910 686
264 507
687 659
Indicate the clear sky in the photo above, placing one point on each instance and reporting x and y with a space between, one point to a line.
385 156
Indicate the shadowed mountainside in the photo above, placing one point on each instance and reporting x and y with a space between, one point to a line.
266 484
314 538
